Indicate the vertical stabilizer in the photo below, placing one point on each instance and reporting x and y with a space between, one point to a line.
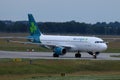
34 30
33 27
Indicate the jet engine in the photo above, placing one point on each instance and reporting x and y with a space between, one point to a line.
59 51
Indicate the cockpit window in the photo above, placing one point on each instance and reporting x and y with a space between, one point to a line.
99 41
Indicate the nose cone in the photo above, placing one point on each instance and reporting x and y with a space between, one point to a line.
103 47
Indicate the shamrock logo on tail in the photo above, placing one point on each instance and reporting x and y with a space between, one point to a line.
33 27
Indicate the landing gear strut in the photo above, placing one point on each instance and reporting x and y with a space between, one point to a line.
78 55
94 56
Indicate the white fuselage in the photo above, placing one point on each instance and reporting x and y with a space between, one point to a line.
76 43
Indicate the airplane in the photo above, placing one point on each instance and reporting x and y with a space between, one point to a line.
63 44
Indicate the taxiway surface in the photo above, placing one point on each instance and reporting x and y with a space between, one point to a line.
48 55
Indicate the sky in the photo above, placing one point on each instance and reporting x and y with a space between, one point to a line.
88 11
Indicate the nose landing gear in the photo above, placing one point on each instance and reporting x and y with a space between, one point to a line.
94 54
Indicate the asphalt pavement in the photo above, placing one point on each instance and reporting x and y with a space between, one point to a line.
49 55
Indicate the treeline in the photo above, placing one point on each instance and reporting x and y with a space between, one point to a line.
71 27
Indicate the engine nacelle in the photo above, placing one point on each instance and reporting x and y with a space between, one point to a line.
59 51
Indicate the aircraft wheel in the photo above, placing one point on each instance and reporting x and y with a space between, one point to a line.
78 55
55 55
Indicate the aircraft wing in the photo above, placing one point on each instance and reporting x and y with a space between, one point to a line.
21 42
43 45
59 45
13 37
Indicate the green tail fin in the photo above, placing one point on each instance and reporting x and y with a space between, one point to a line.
34 30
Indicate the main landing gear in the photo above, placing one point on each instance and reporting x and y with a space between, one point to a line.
55 55
78 55
94 54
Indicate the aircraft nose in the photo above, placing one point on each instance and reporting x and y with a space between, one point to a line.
104 47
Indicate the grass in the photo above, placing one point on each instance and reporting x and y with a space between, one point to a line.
85 77
113 47
54 68
80 77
